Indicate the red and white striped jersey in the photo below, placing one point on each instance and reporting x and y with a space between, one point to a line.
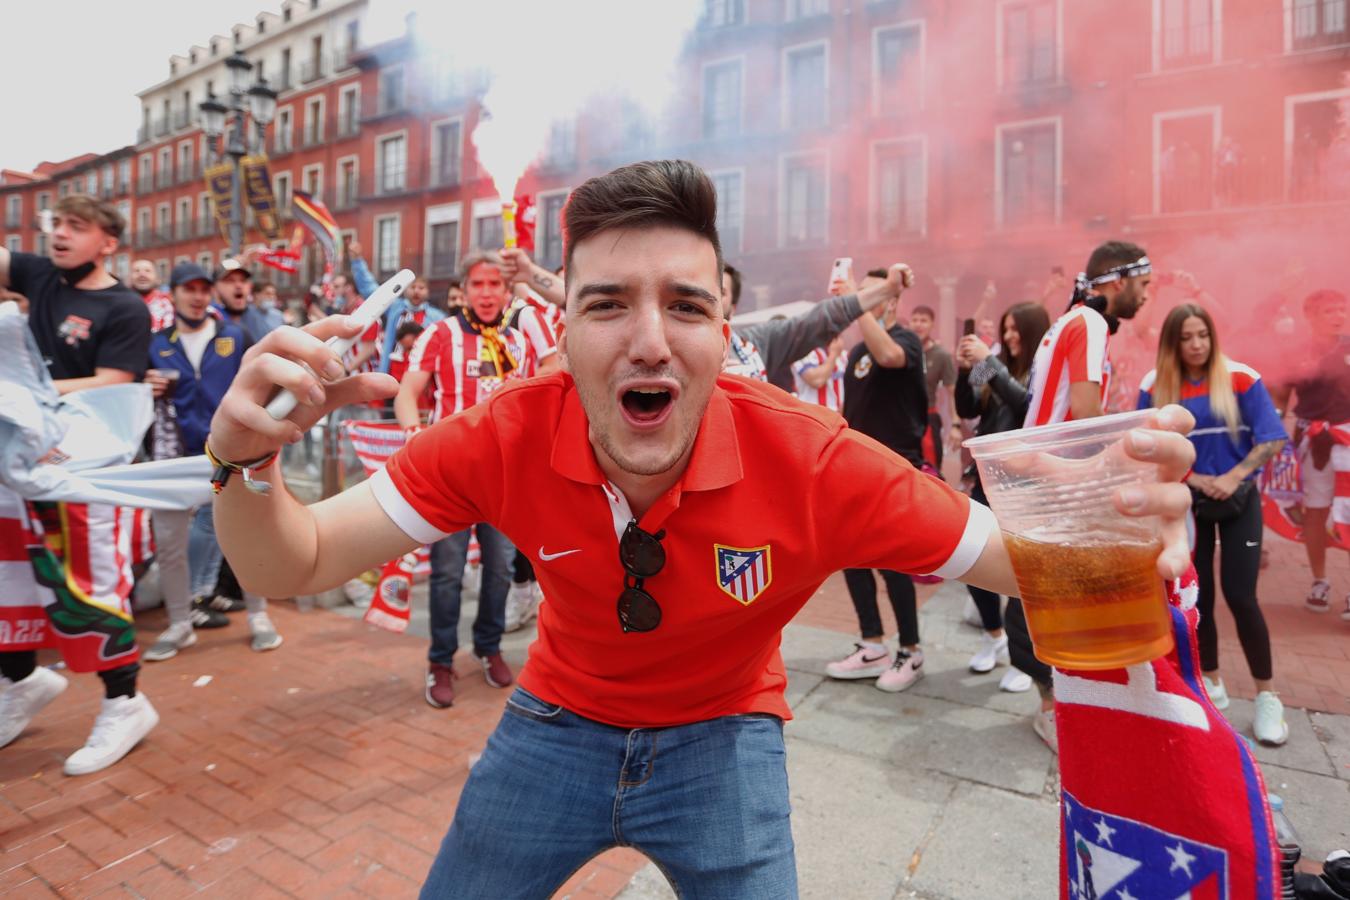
370 336
136 523
461 367
160 304
1074 349
829 395
539 329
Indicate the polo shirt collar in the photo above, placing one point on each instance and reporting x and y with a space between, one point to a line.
715 461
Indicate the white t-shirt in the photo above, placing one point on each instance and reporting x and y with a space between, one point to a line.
194 343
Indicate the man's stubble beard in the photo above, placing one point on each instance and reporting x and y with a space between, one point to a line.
607 443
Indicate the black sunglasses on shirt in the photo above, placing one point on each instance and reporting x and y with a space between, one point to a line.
642 557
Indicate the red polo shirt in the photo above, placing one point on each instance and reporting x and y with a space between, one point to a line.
777 495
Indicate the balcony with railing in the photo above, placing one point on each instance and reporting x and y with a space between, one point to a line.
392 181
183 230
312 69
160 127
387 103
206 226
284 80
342 58
190 172
349 126
182 118
144 185
313 135
282 143
445 173
164 178
143 133
13 218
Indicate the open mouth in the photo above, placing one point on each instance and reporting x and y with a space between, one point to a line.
647 405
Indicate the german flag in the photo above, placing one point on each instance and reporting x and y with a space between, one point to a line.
315 216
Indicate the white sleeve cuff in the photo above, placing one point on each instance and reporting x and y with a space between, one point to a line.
401 512
979 524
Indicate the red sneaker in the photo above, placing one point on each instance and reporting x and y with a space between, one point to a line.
440 686
496 671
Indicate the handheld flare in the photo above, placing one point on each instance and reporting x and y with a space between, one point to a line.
509 224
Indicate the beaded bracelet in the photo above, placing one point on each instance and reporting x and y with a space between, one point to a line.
223 470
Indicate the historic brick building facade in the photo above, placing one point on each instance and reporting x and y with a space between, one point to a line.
980 140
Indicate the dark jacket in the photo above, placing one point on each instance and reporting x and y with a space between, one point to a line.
197 393
1002 408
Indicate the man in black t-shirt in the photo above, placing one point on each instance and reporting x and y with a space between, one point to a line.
886 398
92 332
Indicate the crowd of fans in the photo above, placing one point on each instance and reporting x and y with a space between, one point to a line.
863 352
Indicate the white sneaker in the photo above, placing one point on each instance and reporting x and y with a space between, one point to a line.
1015 681
24 699
520 606
1218 694
263 634
1043 723
1319 596
993 652
170 641
120 725
866 661
1269 725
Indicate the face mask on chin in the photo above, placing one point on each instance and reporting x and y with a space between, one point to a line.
76 274
192 324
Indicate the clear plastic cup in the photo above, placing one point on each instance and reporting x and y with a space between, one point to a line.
1087 574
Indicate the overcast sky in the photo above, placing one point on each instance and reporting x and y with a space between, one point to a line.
73 68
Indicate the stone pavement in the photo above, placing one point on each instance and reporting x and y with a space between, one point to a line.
317 769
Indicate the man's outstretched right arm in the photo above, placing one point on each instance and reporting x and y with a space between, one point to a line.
277 546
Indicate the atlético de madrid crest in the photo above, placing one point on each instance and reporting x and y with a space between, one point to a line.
743 572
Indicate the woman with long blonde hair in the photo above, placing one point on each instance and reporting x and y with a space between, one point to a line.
1236 431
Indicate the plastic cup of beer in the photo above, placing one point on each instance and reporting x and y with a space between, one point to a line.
1087 574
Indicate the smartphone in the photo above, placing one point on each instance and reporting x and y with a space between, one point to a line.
967 327
841 271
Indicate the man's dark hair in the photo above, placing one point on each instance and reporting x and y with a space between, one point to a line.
671 192
924 311
94 210
406 329
878 273
735 274
1318 299
1112 254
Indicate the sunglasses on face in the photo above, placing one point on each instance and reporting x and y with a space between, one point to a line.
642 557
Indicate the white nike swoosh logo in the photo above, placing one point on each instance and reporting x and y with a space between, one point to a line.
1253 543
546 557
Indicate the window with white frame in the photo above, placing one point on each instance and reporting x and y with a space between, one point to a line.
282 278
281 189
163 222
392 159
1314 142
282 132
1185 144
722 101
387 245
185 161
124 174
487 232
446 152
40 244
1028 190
13 211
349 110
143 222
1029 42
44 201
1186 32
391 89
184 229
442 250
204 260
805 217
549 243
14 243
804 9
720 13
91 183
108 178
1315 23
730 187
313 121
898 69
900 191
805 78
124 210
312 179
165 167
347 185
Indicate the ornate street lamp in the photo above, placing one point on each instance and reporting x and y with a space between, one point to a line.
257 102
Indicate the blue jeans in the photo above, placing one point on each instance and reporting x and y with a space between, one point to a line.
204 556
554 789
448 557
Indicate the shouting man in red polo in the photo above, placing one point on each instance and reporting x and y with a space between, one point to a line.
648 490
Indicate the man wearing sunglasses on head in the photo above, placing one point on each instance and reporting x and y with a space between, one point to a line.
663 506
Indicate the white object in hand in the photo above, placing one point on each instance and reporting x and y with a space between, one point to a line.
369 312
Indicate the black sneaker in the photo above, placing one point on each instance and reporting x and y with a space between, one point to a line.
226 604
203 616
